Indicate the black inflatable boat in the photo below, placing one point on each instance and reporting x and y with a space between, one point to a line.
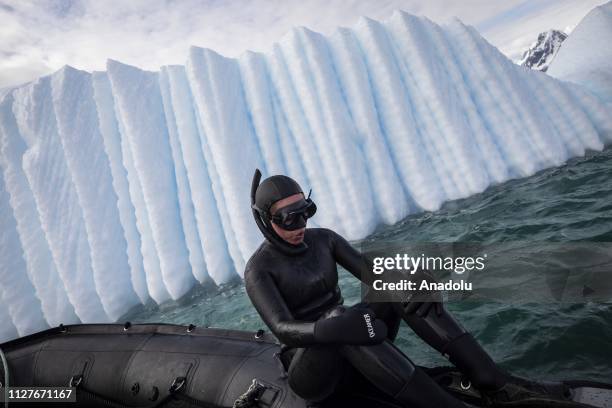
161 365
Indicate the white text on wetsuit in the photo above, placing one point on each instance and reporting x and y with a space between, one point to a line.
369 325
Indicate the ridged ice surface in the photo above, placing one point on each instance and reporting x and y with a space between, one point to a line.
122 186
586 58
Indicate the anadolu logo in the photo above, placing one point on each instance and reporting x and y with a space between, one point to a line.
369 325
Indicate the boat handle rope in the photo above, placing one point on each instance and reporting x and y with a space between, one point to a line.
251 396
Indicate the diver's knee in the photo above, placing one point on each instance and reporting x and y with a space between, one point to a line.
437 327
445 324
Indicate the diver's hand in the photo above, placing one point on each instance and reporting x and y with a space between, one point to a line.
423 302
422 309
357 325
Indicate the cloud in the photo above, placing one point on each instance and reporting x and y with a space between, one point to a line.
39 37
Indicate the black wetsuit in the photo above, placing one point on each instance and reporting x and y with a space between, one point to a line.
292 292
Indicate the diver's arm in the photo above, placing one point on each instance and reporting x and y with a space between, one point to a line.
351 259
361 267
358 325
272 308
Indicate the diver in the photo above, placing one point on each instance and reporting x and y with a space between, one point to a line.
292 281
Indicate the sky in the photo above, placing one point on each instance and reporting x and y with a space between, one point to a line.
39 37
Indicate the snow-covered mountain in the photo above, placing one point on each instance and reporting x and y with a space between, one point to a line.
125 185
541 53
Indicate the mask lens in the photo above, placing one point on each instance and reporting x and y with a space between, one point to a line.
294 216
290 220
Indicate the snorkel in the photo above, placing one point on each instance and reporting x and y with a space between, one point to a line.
266 229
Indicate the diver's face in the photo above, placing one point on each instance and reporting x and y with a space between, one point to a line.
294 237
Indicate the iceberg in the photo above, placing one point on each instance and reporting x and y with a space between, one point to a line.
586 57
79 133
138 103
43 161
105 108
8 330
16 290
39 266
126 186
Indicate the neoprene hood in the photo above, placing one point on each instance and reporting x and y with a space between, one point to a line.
274 189
263 196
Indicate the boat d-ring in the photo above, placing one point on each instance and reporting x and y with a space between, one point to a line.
177 384
259 334
75 380
465 386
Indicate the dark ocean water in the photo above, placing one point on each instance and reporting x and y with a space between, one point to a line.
572 203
